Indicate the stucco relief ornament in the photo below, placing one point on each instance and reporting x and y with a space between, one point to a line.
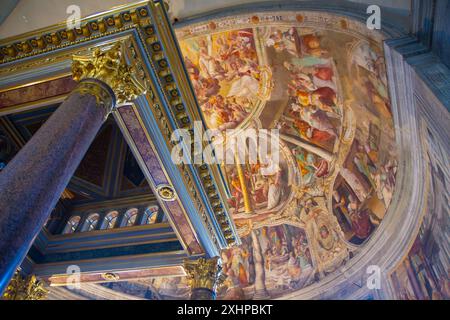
111 67
25 288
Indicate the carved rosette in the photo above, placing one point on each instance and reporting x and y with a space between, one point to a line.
166 193
111 68
204 275
25 288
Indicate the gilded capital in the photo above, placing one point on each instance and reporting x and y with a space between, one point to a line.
110 67
204 273
25 288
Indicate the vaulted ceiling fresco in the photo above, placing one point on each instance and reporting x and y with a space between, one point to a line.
321 81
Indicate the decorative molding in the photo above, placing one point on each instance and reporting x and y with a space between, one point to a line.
392 25
178 96
141 143
134 267
58 36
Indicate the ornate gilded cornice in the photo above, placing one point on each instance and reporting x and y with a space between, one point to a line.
204 273
167 61
25 288
59 36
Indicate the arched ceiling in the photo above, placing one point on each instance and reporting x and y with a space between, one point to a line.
319 79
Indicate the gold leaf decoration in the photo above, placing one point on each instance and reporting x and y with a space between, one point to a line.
25 288
110 67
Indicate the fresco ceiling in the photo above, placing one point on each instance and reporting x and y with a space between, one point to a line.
321 81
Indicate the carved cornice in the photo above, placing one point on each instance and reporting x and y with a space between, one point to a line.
172 78
59 36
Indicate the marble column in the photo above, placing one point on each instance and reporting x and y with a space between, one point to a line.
204 275
32 182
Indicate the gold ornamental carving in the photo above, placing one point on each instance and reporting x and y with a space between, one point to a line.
204 273
109 276
110 67
25 288
166 193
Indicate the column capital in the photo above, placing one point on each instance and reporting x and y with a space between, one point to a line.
108 65
25 288
204 273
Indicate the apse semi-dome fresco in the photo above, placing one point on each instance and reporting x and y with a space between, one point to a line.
321 81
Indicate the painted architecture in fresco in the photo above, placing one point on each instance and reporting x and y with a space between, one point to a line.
360 176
